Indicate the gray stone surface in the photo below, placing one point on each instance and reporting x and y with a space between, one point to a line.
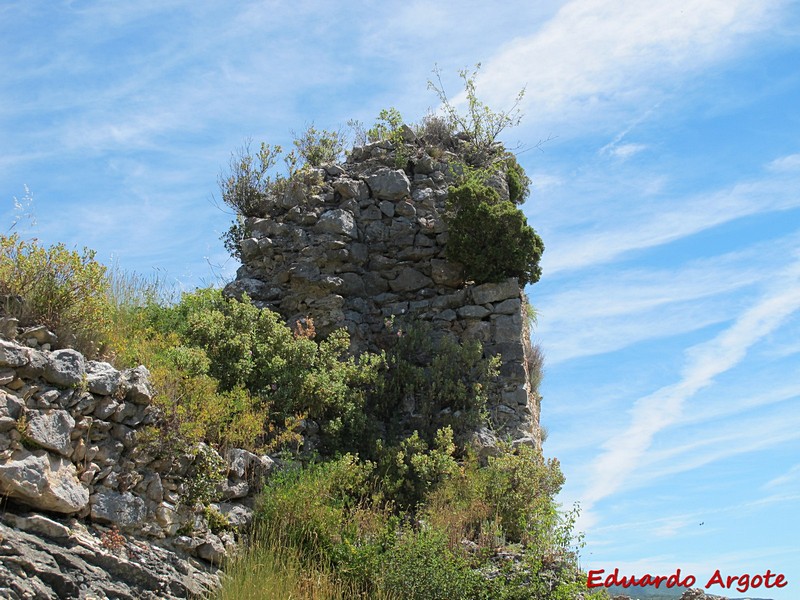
389 184
337 221
66 368
140 390
43 481
38 565
51 429
410 280
494 292
123 510
12 355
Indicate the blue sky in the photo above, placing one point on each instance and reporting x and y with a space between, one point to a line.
668 197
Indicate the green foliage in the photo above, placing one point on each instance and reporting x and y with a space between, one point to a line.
63 289
414 468
479 124
341 517
232 238
217 522
435 373
319 147
319 510
246 186
518 181
421 566
388 126
520 486
491 237
262 369
207 472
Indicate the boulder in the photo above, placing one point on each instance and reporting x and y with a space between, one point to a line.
102 378
495 292
12 355
388 184
66 368
140 390
122 510
339 222
444 272
410 280
43 481
51 430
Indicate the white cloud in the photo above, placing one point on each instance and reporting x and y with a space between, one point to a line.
607 309
596 54
649 415
624 151
657 222
790 163
792 476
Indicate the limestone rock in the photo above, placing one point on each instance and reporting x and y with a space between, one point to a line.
410 280
122 510
444 272
102 378
43 481
65 367
8 327
389 184
339 222
254 288
140 390
80 566
494 292
12 355
246 465
51 429
41 334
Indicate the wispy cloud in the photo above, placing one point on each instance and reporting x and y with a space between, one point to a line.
705 361
595 55
657 222
790 163
600 313
790 477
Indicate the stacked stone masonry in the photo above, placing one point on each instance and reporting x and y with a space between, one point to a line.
358 244
72 465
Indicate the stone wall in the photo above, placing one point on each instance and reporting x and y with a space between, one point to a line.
357 244
70 453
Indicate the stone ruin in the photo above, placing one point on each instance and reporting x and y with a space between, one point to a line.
357 244
88 511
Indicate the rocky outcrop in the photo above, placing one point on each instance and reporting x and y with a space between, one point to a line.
357 244
49 559
91 511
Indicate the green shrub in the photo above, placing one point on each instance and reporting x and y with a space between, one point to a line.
436 372
518 181
421 566
479 124
414 468
490 237
207 472
60 288
387 126
312 508
246 186
253 349
521 486
319 147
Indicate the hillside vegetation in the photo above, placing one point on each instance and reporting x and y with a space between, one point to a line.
362 507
